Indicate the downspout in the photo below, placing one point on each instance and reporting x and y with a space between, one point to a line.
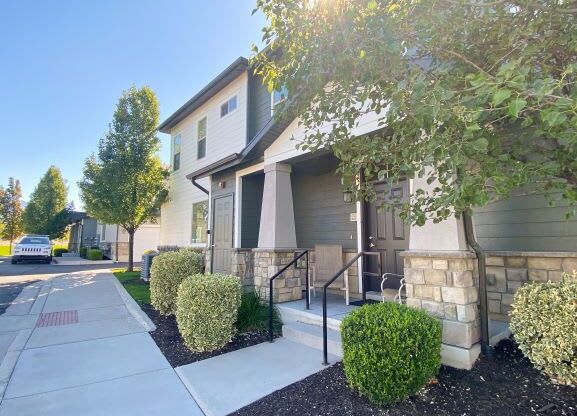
202 188
486 348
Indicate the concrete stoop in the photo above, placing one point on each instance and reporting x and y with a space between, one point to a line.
312 336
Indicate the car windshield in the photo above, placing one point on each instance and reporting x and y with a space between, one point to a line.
35 240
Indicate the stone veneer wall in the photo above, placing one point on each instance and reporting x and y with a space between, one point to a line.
509 270
445 284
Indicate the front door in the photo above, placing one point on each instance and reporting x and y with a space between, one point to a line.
386 234
222 234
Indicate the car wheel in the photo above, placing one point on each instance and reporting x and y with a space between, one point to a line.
14 261
48 261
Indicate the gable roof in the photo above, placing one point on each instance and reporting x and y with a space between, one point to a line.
235 69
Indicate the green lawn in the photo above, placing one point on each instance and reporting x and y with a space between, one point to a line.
138 289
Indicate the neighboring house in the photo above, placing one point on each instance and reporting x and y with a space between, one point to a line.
267 200
111 238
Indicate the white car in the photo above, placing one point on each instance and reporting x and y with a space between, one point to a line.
33 247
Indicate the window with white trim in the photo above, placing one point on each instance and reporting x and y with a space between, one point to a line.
199 222
201 139
278 96
228 107
176 153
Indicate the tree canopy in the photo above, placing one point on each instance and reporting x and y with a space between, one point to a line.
124 183
11 211
477 96
47 211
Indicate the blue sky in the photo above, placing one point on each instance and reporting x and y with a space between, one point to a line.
64 63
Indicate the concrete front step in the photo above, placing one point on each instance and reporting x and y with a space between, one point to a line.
312 336
290 315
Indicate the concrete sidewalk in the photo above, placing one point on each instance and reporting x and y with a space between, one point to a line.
78 344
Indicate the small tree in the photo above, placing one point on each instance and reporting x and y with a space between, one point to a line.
11 211
476 96
47 211
125 182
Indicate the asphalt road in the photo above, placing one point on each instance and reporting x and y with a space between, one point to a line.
14 277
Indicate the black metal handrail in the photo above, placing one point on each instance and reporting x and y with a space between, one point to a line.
270 292
335 277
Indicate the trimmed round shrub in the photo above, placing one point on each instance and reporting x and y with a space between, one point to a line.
59 251
82 252
207 309
94 254
544 324
168 270
390 351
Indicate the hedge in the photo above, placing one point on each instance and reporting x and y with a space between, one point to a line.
206 311
59 251
94 254
168 270
544 324
390 351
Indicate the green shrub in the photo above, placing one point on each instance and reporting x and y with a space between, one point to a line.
83 251
390 351
206 311
544 324
168 270
58 252
253 314
94 254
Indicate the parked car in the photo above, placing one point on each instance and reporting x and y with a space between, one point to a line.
33 247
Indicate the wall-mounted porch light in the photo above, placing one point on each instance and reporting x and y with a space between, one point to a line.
348 196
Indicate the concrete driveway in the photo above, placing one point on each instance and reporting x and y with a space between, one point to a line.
76 343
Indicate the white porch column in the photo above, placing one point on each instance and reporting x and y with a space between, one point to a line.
447 235
277 219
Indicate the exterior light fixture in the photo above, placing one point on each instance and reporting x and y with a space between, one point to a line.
348 196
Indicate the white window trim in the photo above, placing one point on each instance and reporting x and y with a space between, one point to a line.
221 117
273 104
194 243
205 116
172 140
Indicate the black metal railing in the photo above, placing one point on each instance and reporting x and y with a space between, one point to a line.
362 254
270 289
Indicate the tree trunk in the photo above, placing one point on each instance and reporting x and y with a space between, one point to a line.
130 251
10 248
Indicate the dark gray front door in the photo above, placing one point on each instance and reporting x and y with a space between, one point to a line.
222 234
387 234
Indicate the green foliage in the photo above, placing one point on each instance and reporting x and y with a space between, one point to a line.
166 273
125 182
543 323
253 314
47 212
131 281
390 351
476 97
94 254
206 311
11 211
82 251
57 252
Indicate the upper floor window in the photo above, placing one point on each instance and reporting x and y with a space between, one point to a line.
228 107
278 96
176 153
201 139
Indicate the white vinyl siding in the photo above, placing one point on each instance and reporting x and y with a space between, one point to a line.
225 136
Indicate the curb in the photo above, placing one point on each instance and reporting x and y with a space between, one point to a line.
133 306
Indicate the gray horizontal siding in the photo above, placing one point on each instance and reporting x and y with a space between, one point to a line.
252 188
230 188
525 223
321 216
259 107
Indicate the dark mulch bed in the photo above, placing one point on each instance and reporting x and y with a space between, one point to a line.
507 384
172 346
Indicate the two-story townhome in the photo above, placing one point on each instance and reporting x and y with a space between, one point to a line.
238 174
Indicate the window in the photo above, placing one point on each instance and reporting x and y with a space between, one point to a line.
201 139
278 96
228 107
199 222
176 153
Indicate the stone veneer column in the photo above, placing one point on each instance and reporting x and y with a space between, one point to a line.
277 220
288 286
442 278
